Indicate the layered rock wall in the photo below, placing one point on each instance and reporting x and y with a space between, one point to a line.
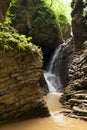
20 95
75 94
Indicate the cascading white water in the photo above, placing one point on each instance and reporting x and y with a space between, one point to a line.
53 81
57 55
51 75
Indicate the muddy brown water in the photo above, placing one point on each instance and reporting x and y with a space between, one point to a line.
55 122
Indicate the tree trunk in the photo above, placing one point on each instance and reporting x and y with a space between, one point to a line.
4 4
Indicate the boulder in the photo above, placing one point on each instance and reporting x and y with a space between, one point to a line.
20 71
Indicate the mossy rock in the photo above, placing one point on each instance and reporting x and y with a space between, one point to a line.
36 19
10 40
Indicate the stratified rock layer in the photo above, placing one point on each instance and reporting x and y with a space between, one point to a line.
20 95
75 94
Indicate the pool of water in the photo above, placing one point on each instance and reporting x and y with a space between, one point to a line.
56 121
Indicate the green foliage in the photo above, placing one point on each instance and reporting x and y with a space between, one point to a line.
62 10
44 28
9 15
10 39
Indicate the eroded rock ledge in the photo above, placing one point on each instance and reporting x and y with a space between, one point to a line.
75 94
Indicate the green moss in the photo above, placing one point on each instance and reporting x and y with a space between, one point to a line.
10 39
44 27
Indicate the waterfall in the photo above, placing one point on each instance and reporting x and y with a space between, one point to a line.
52 73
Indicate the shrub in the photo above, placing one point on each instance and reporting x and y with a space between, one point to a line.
10 39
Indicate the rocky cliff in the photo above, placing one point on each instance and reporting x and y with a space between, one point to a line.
79 22
36 19
75 94
20 70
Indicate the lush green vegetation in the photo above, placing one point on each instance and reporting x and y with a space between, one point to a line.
62 10
9 15
10 39
43 26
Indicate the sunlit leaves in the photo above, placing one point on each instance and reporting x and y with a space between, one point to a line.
60 8
8 14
